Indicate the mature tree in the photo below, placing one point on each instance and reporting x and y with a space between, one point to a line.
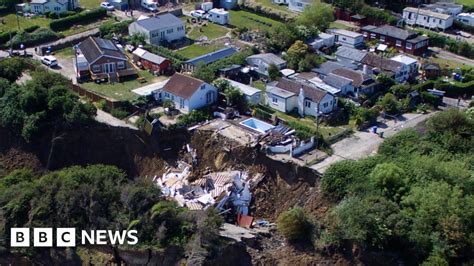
4 85
11 68
137 39
352 5
296 53
281 37
316 16
43 102
273 72
204 72
390 179
390 104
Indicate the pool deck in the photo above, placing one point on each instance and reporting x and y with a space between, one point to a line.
233 130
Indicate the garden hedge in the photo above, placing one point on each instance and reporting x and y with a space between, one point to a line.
80 18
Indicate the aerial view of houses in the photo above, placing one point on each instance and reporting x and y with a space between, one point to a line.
255 132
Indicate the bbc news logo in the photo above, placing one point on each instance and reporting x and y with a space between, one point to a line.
66 237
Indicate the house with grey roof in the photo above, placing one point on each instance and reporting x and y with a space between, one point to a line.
322 40
288 95
344 85
101 59
347 38
261 62
427 18
53 6
350 55
410 42
252 95
449 8
162 28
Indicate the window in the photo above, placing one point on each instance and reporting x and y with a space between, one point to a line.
95 68
325 105
181 103
169 31
408 45
398 43
167 95
274 100
382 38
372 35
440 21
172 97
299 4
428 19
365 34
121 65
209 97
307 104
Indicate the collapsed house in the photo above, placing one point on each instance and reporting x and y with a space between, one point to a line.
227 191
281 139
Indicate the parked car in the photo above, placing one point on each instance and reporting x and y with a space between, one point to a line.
197 13
49 60
107 5
149 5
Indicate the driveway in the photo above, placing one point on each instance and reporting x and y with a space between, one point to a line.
441 53
365 143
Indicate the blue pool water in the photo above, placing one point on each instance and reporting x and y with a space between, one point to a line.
256 124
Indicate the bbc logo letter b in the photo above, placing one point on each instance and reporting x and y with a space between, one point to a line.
20 237
43 237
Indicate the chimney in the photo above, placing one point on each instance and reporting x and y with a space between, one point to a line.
366 70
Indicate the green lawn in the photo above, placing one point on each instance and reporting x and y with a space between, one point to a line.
466 2
210 30
444 63
196 50
11 22
270 4
90 4
337 25
259 85
65 53
240 18
121 91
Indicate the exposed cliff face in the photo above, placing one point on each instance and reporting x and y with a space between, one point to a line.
284 185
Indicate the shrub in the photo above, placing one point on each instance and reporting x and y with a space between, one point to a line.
194 117
80 18
294 225
456 88
39 36
32 28
5 36
108 28
337 178
119 113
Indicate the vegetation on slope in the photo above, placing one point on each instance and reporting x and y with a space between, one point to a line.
416 197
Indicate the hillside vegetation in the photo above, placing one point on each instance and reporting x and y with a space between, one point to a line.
416 197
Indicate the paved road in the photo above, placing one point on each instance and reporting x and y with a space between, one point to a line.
364 143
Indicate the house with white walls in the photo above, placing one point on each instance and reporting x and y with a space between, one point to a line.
287 95
427 18
188 93
53 6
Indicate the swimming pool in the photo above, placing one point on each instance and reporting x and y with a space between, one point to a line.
257 125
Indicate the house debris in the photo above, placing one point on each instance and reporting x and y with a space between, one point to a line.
281 139
226 190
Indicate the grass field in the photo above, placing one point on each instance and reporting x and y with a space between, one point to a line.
10 22
65 53
444 63
90 4
240 18
259 85
270 4
122 91
309 122
196 50
466 2
211 31
337 25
